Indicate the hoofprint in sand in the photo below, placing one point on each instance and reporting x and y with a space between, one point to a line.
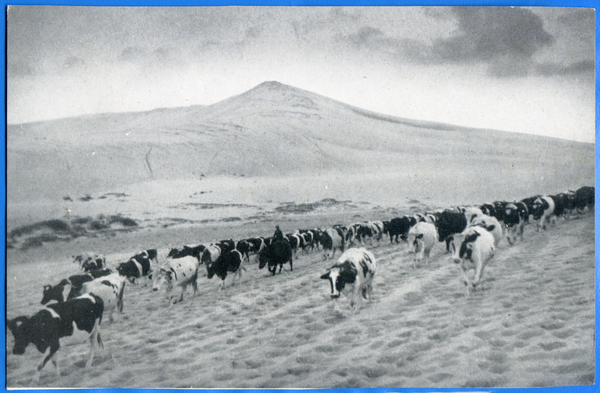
531 324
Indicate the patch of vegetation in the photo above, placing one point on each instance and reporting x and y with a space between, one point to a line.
35 235
86 198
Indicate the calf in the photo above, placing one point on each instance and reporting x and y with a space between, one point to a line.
231 262
472 249
543 210
56 321
562 205
179 272
471 213
423 237
110 289
353 273
333 238
90 261
448 223
278 253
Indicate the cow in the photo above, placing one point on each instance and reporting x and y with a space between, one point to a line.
110 289
488 209
231 262
211 253
472 249
514 221
499 208
333 238
471 213
67 288
50 325
256 244
134 269
100 273
225 245
448 223
543 210
562 204
194 251
423 237
179 272
398 227
278 253
317 237
353 273
584 197
490 224
529 204
90 261
295 241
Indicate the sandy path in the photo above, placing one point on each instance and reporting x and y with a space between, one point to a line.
532 325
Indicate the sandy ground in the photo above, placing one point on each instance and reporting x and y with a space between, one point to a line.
531 325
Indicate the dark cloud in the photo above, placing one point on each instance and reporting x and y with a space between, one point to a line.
491 33
549 69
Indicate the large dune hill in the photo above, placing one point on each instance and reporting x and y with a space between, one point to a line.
275 130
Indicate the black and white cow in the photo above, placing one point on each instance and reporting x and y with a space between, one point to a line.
514 221
231 262
68 288
543 210
490 224
529 204
48 327
278 253
194 251
179 272
135 268
333 238
90 261
448 223
256 244
353 273
398 226
211 253
110 289
563 205
472 249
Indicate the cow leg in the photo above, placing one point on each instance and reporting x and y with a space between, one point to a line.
94 337
51 350
194 287
291 267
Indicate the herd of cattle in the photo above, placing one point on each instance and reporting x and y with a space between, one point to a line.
471 234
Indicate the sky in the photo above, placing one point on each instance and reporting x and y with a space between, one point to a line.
527 70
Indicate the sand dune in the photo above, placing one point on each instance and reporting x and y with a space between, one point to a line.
532 325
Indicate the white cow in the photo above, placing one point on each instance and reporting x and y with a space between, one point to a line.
353 273
179 272
472 249
422 237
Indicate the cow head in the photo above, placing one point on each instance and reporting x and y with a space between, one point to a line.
161 277
19 328
263 259
339 275
60 293
210 270
462 245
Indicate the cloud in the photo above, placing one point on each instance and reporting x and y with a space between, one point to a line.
492 34
549 69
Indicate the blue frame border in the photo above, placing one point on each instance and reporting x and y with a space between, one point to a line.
186 3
